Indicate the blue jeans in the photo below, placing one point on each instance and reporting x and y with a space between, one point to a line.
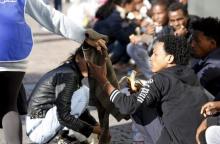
148 134
118 52
139 54
42 130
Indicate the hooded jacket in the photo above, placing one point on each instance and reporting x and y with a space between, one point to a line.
176 91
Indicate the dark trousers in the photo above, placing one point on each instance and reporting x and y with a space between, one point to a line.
10 83
118 52
58 5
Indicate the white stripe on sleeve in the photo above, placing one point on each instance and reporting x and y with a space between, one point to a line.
113 94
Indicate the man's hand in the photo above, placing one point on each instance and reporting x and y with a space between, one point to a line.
135 89
202 127
98 72
182 31
99 44
97 129
134 39
96 40
150 29
210 108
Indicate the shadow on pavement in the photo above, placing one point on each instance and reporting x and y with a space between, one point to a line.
121 134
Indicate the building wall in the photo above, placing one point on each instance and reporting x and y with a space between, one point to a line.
204 8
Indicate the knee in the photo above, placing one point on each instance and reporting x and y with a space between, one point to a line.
212 134
37 139
130 49
41 138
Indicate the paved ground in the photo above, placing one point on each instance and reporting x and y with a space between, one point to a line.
49 51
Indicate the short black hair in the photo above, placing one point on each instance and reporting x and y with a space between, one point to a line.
176 46
160 2
119 2
108 7
178 6
209 26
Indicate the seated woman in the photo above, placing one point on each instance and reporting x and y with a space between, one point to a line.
113 23
60 100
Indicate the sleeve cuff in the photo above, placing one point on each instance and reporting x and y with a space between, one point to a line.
114 94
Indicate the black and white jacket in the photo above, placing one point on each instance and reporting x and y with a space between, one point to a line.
55 88
179 96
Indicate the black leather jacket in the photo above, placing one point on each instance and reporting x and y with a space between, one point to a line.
55 88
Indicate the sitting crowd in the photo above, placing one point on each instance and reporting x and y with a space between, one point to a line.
175 98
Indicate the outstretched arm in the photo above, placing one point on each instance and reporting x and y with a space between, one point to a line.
54 20
126 104
58 23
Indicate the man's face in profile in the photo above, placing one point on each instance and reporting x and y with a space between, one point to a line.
201 44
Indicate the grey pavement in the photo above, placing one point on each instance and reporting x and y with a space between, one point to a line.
50 51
